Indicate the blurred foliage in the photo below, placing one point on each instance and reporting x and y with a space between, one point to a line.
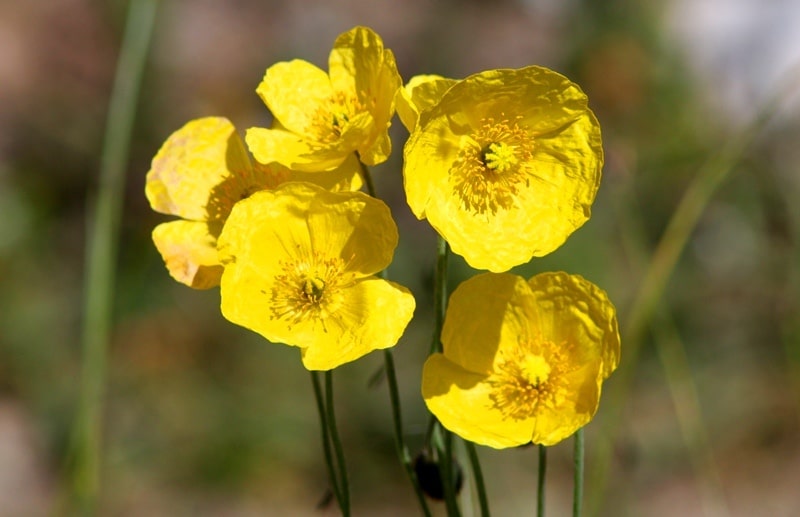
204 418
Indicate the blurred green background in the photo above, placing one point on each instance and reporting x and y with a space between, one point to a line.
205 418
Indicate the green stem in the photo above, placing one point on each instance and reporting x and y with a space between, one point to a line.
540 481
344 503
448 475
477 472
577 490
402 449
103 224
394 392
439 293
326 443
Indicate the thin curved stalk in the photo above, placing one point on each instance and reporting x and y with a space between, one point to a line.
103 223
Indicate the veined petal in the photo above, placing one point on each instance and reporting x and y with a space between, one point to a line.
485 309
360 66
554 424
189 251
357 227
421 93
373 316
573 310
427 158
266 229
498 214
462 402
293 151
546 100
199 171
295 91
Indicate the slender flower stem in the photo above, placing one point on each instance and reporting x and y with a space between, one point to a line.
394 392
540 482
577 491
448 475
344 502
103 229
439 293
326 439
478 473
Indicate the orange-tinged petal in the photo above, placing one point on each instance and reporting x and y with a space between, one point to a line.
189 252
295 92
373 316
202 162
461 401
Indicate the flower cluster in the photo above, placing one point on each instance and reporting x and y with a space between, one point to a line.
503 164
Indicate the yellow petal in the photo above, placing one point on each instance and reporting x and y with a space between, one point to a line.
189 252
359 65
346 176
199 172
294 152
461 400
297 261
551 187
554 424
357 227
421 93
483 315
294 92
374 315
573 310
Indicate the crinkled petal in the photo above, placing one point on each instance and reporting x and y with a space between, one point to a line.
373 316
198 171
484 314
554 424
421 93
546 100
189 251
461 401
360 65
293 151
573 310
561 177
357 227
295 91
266 229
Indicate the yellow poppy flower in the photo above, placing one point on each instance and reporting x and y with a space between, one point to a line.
506 166
421 93
523 360
322 118
199 173
300 265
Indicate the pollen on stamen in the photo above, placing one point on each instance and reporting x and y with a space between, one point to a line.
308 289
492 165
528 379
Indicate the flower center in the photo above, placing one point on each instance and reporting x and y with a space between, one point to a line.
492 165
309 289
529 378
330 121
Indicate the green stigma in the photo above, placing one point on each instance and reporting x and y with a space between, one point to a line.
499 157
